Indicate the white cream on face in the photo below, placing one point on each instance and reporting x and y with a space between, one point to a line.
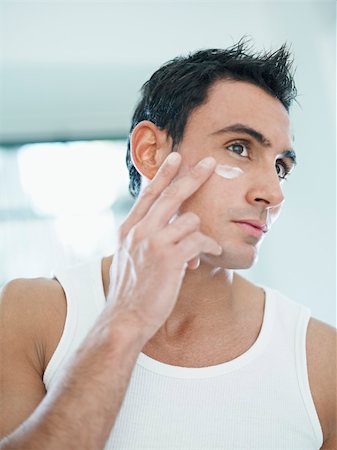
228 172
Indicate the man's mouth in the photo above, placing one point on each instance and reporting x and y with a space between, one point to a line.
252 227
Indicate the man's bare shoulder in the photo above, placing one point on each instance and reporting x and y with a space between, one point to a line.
33 312
321 358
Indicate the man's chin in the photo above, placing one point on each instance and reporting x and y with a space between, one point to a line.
232 260
247 265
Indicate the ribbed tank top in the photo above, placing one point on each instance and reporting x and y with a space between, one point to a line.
260 400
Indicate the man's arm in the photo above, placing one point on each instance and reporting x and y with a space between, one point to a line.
330 443
81 410
21 358
145 278
322 344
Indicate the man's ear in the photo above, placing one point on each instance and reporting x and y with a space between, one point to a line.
149 146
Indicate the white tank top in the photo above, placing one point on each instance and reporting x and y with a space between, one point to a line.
260 400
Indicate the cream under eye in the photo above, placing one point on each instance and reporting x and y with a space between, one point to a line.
228 172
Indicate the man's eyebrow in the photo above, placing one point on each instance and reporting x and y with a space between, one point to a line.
240 128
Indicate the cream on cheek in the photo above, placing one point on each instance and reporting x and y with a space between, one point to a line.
229 172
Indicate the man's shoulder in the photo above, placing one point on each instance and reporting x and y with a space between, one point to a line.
321 341
31 294
32 315
321 344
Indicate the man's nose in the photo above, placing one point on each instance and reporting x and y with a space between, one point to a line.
267 189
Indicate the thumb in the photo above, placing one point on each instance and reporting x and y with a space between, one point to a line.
193 263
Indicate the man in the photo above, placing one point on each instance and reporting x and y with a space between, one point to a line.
163 345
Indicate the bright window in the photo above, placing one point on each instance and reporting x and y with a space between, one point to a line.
60 203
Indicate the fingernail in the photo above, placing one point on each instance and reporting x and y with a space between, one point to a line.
173 158
207 162
219 250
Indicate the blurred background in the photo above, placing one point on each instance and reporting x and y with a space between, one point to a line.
70 74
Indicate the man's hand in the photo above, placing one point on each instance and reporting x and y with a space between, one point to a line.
145 279
153 252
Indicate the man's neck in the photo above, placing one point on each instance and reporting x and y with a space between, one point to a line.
208 298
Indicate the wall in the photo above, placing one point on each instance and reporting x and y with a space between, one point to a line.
74 69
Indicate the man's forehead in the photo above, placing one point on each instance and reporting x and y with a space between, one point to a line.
234 102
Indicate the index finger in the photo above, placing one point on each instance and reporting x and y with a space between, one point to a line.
160 181
176 193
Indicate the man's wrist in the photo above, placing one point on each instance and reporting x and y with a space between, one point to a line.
129 329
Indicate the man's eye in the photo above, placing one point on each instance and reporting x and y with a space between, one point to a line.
238 148
284 171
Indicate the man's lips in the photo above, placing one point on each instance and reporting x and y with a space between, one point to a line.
254 223
252 227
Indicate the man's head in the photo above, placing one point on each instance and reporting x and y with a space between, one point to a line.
182 84
230 105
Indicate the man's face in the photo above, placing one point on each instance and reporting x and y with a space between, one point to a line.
256 194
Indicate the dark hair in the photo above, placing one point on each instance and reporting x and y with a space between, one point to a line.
182 84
